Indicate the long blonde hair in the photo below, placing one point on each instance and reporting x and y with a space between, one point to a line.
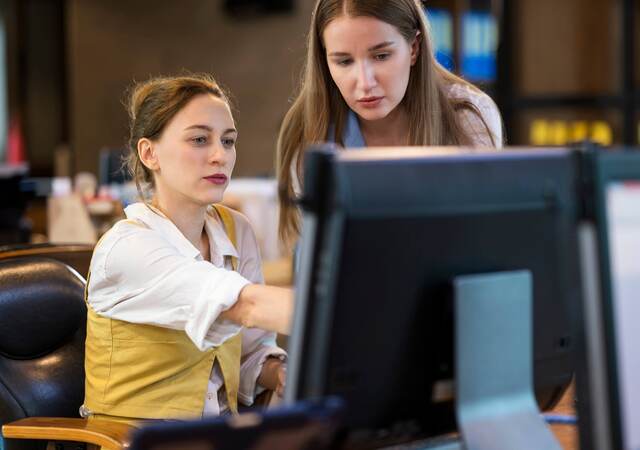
319 105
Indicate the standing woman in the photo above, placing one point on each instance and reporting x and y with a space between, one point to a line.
171 286
371 79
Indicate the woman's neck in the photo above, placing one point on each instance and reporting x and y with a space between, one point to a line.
187 217
390 131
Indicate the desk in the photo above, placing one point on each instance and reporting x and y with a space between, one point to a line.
567 435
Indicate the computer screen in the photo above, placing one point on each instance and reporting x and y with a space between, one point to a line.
384 234
623 216
615 361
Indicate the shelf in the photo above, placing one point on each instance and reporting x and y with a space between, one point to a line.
568 123
568 101
587 75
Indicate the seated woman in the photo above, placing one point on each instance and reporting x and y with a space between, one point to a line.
170 287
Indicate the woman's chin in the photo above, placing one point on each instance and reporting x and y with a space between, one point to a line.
214 200
205 201
213 196
372 115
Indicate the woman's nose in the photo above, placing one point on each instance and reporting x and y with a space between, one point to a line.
217 154
366 77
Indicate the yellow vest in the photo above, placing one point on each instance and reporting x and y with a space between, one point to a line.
149 372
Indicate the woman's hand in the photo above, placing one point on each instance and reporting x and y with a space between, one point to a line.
273 375
282 380
267 307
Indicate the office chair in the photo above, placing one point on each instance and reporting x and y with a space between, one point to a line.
42 333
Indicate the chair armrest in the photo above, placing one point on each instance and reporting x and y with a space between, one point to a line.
103 433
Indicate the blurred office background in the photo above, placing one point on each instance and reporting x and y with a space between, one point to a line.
560 71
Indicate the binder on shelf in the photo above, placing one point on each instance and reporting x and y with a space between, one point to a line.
601 133
543 132
442 36
559 133
579 130
539 132
479 46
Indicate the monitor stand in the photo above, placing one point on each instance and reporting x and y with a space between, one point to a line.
495 404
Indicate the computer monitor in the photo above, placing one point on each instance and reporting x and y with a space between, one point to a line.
612 301
303 426
385 232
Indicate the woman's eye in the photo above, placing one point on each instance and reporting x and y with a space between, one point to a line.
199 140
343 62
382 56
228 142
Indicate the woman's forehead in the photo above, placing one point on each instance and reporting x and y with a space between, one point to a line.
205 109
362 32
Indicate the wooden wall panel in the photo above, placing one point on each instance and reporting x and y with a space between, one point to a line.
111 44
567 47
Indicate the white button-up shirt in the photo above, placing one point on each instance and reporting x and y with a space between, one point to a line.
144 270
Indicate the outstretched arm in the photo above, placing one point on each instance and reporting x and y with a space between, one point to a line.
266 307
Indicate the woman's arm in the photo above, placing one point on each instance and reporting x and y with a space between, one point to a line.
139 276
266 307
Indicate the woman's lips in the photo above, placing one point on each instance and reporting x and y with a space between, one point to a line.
218 178
370 102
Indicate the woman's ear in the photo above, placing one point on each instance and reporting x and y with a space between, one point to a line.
415 47
147 154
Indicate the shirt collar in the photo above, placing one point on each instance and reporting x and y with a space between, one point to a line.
219 242
352 135
217 234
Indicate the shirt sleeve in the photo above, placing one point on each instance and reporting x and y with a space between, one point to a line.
483 126
257 344
142 278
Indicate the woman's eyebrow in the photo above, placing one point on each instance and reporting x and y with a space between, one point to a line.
381 45
338 54
370 49
209 129
202 127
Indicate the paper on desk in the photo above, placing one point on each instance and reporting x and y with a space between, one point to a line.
68 221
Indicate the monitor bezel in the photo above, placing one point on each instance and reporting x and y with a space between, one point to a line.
610 166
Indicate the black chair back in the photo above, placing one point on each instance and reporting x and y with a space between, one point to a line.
42 334
78 256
